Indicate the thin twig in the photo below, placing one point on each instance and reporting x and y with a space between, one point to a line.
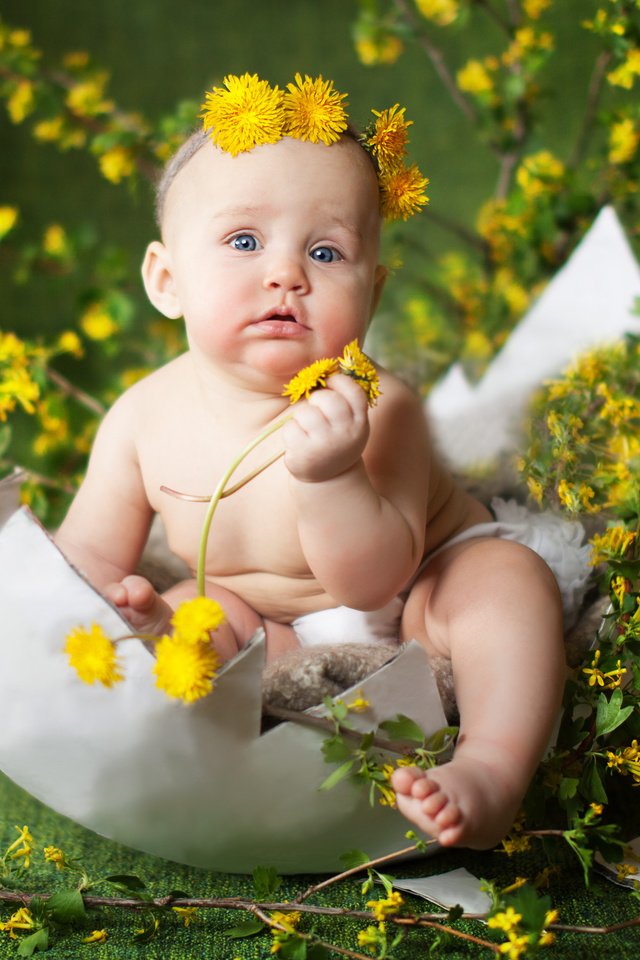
437 59
85 399
401 747
593 98
353 870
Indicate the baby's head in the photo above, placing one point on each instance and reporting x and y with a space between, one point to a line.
275 232
247 112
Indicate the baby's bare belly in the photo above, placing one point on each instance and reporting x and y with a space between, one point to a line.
277 597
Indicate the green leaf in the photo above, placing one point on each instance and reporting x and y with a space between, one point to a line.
5 438
266 882
127 883
386 881
611 714
294 949
568 788
335 750
66 906
247 929
317 952
403 728
354 858
591 783
35 941
340 774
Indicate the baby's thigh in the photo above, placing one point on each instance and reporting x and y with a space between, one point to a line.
469 585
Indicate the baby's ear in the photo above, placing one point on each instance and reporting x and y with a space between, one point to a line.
158 280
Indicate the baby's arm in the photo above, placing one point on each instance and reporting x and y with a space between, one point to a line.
106 527
359 483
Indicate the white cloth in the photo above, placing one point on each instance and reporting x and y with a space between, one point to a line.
559 542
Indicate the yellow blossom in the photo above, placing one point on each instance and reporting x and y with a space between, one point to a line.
441 12
20 38
388 140
474 78
359 704
21 102
371 938
287 920
48 131
310 378
505 920
613 543
97 323
386 907
194 619
516 946
22 919
93 655
625 74
623 141
97 936
354 363
69 342
54 855
22 847
85 99
540 173
534 8
187 914
185 671
516 844
380 48
54 241
313 110
75 59
8 219
624 870
117 164
597 809
402 193
244 113
17 387
535 489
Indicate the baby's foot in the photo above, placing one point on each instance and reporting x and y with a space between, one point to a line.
139 603
463 803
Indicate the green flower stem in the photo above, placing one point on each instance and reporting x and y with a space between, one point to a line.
219 492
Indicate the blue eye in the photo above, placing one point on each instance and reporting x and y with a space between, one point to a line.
325 255
245 241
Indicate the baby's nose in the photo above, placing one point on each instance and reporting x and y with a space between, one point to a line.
286 272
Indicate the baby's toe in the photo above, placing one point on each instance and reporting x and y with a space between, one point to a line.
404 778
434 804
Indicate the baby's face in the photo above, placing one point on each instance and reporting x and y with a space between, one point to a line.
273 254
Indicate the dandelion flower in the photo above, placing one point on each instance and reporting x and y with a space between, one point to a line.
356 364
402 193
185 671
389 138
93 655
313 110
309 379
244 113
194 619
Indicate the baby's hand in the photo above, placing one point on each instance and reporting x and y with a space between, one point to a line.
139 603
328 432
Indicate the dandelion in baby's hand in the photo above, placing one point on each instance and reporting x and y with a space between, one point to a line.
243 114
309 379
313 110
357 365
194 619
93 655
185 671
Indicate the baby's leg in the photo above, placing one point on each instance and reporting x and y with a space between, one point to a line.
492 607
149 612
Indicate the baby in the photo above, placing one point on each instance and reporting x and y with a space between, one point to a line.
270 252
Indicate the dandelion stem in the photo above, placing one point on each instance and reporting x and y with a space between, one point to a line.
220 491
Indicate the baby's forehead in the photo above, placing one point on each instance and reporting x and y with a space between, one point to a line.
200 163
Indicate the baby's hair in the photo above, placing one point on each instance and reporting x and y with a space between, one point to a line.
190 147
